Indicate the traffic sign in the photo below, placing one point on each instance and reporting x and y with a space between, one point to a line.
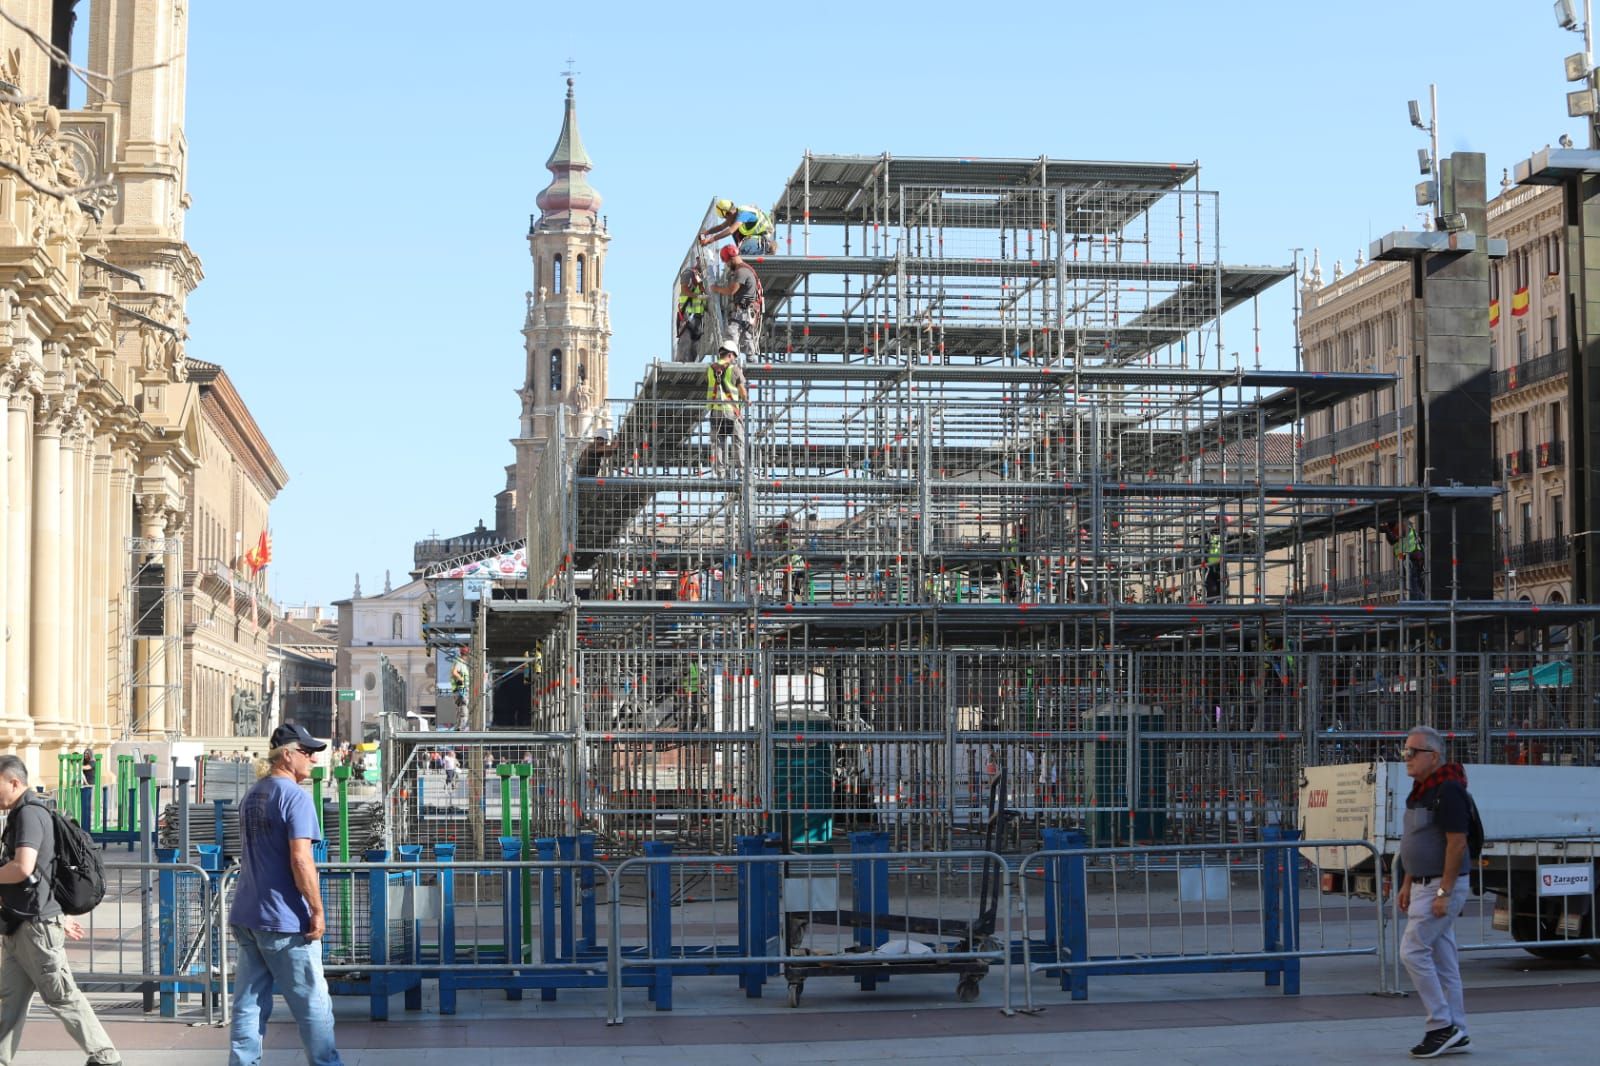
347 695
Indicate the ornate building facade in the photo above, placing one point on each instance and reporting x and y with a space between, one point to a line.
567 330
105 430
1361 322
382 652
228 616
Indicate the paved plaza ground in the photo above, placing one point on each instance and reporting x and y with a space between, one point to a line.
1523 1010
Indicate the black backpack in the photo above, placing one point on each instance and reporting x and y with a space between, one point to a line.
78 878
1474 840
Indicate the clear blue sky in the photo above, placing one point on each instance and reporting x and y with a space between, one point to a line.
363 173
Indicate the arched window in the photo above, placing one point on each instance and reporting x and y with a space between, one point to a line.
577 278
397 627
556 374
555 275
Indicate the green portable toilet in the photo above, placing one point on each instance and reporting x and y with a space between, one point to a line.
1106 761
802 769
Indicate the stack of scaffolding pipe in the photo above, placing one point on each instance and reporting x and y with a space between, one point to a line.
366 826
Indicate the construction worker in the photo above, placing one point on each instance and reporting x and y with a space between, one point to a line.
749 226
691 314
726 396
743 301
460 678
1410 550
793 564
1214 562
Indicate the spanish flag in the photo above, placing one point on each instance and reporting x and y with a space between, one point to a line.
259 556
1494 313
1519 302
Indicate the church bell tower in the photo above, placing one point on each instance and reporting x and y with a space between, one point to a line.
567 331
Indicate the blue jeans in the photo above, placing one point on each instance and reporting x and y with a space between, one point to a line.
292 965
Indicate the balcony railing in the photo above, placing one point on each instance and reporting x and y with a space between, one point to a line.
1524 374
230 584
1551 453
1351 588
1550 551
1360 433
1519 463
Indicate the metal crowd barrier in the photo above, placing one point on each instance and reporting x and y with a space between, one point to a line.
869 915
154 933
1230 916
1535 894
510 925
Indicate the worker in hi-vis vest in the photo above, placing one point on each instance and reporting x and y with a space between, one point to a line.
726 396
1409 550
1214 574
691 314
750 227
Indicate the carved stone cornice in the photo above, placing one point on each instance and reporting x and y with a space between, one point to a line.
20 378
75 426
53 411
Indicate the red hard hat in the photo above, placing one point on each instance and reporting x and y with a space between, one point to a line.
729 251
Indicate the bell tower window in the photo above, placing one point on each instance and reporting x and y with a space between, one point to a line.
555 275
555 371
577 277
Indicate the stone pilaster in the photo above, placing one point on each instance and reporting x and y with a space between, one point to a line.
104 561
44 615
67 589
18 519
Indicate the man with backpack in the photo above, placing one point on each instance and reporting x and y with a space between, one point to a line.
1435 857
33 955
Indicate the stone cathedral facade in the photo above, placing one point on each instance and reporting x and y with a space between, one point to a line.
107 435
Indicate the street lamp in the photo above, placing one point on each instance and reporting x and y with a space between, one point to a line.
1581 103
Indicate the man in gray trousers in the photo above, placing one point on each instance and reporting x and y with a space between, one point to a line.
1433 888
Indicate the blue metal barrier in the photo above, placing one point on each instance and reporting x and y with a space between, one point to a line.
386 968
1067 951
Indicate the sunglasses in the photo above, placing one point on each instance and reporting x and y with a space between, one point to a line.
1406 753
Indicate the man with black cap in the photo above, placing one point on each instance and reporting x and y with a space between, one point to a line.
277 917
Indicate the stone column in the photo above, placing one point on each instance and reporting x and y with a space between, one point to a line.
44 616
68 598
120 646
18 520
7 384
106 553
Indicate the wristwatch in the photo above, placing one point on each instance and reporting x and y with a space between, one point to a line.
1439 893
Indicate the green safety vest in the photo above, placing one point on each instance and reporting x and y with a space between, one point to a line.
761 225
1409 544
1214 550
692 303
718 392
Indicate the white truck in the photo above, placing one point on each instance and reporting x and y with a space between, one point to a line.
1541 824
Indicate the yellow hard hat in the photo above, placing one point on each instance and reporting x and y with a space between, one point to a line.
724 207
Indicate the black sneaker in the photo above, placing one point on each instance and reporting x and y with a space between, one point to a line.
1462 1045
1437 1042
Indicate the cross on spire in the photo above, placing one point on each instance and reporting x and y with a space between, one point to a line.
570 73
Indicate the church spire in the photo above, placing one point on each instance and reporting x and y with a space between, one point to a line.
569 194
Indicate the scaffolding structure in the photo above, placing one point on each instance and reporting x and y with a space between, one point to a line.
151 660
994 445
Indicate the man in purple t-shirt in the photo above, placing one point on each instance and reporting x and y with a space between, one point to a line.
276 917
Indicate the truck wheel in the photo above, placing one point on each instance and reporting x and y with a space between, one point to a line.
1526 927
